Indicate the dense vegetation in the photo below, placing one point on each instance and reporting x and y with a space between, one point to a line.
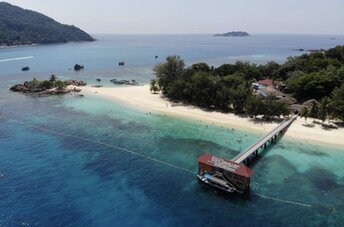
318 75
19 26
226 88
52 86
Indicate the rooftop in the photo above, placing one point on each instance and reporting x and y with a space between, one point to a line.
227 165
266 82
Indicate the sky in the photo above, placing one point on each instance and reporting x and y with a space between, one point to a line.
195 16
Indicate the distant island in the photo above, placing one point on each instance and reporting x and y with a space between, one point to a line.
24 27
233 34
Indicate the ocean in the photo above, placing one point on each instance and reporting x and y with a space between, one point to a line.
86 161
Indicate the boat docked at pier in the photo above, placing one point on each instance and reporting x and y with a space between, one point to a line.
223 174
214 181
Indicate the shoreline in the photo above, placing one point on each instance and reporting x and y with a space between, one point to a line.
140 98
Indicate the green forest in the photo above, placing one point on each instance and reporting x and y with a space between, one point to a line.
318 75
19 27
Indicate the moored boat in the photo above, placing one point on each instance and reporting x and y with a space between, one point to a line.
223 174
216 182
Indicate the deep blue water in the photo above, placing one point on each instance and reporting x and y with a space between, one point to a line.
139 53
51 176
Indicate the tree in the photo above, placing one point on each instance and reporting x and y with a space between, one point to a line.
337 103
238 98
60 84
34 83
204 67
315 85
272 107
323 109
47 84
305 113
254 106
168 71
53 78
269 69
336 53
154 86
204 86
313 112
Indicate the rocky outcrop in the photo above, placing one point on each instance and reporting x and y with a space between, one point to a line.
76 83
78 67
48 87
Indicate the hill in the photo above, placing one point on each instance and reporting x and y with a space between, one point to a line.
233 34
21 27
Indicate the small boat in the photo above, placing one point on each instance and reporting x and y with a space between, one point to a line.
98 79
26 68
125 82
216 182
121 63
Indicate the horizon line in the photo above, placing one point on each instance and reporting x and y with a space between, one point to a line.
113 33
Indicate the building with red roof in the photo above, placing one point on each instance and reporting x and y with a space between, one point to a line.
236 174
266 82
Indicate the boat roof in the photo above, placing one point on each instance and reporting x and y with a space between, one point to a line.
215 179
227 165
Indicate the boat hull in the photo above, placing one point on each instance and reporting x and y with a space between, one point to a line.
207 181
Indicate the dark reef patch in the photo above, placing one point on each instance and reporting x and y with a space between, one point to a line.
322 179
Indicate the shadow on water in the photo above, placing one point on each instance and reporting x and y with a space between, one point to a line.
234 198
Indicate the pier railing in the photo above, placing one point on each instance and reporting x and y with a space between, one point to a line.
271 136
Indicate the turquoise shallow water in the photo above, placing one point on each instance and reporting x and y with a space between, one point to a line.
50 179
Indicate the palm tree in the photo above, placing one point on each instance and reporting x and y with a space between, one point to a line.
305 113
323 109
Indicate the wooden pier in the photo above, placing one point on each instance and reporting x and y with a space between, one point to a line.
246 156
234 175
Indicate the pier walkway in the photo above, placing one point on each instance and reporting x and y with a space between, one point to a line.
251 152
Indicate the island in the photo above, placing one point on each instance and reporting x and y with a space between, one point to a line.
25 27
233 34
53 86
311 85
247 96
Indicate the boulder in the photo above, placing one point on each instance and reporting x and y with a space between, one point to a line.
76 82
78 67
19 88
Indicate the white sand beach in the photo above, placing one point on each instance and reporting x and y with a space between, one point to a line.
141 98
